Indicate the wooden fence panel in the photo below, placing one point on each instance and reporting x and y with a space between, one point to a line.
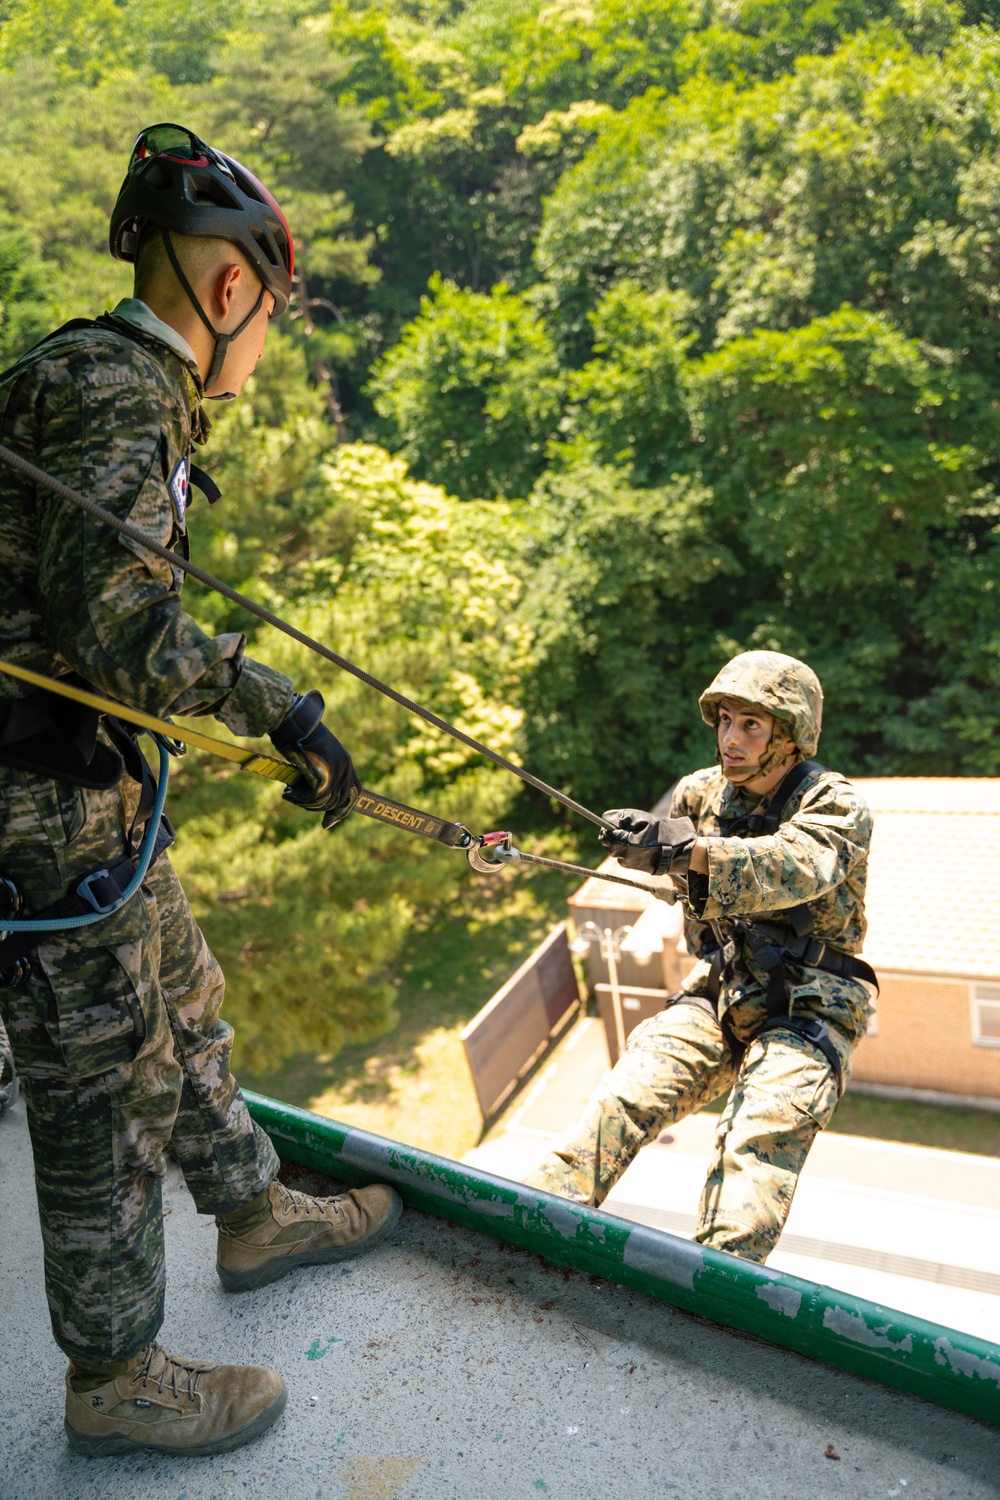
510 1031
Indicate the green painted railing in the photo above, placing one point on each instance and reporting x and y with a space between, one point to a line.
940 1364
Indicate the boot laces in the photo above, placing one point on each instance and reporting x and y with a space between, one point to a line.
298 1202
175 1375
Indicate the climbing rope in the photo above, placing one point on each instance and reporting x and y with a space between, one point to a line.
501 843
135 534
504 853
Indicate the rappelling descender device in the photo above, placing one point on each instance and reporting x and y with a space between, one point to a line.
504 852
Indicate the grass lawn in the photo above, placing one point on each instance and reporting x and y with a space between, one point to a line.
414 1084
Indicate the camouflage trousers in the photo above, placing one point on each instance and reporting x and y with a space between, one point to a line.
780 1097
8 1077
121 1052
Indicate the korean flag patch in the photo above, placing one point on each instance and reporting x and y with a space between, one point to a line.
178 487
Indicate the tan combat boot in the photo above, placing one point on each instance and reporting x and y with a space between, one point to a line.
298 1230
172 1405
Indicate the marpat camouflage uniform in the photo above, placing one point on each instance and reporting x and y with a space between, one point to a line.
783 1092
116 1034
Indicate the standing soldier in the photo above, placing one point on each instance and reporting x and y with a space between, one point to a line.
770 851
115 1027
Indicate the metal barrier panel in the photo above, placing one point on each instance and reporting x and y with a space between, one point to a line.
638 1004
940 1364
503 1040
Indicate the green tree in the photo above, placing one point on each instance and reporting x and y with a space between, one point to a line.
24 311
472 391
862 178
275 102
78 40
308 923
761 39
611 50
614 578
96 38
630 401
840 430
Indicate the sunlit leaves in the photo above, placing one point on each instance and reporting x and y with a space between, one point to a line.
472 391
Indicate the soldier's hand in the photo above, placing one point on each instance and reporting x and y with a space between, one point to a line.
328 783
640 841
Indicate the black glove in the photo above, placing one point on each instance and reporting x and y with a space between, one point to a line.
328 783
656 846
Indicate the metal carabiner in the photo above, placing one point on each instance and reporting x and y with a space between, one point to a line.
503 851
172 747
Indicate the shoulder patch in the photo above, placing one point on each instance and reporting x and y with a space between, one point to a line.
177 484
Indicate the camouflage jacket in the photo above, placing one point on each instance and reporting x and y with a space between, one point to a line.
112 411
817 858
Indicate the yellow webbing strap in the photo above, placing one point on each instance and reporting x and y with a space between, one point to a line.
247 760
370 804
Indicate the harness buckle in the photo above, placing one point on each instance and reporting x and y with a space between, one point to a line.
85 891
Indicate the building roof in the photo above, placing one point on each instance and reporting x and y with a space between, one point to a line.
934 875
553 1383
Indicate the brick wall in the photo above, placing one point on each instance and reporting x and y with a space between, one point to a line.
924 1040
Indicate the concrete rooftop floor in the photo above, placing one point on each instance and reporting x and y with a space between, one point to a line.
447 1366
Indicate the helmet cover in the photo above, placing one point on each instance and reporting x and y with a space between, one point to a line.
779 685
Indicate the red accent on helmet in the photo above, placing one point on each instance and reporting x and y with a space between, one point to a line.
272 203
184 161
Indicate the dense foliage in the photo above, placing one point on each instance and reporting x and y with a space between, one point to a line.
692 310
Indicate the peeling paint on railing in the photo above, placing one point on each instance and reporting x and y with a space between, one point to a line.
940 1364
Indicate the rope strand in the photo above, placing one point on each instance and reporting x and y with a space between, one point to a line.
662 893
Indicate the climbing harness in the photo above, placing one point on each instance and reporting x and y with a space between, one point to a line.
94 898
774 944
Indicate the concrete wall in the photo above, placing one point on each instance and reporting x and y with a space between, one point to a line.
924 1039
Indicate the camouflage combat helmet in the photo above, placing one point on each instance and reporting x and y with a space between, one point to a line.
779 685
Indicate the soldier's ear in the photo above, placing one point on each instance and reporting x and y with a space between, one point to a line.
226 288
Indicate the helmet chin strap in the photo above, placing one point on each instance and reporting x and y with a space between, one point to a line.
742 775
222 340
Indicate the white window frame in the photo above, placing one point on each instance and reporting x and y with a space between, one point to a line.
982 994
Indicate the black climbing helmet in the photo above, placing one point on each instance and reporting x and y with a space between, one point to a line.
177 182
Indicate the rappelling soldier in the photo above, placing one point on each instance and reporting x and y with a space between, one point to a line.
115 1028
770 853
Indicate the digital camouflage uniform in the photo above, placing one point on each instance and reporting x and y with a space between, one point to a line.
784 1091
116 1034
9 1087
